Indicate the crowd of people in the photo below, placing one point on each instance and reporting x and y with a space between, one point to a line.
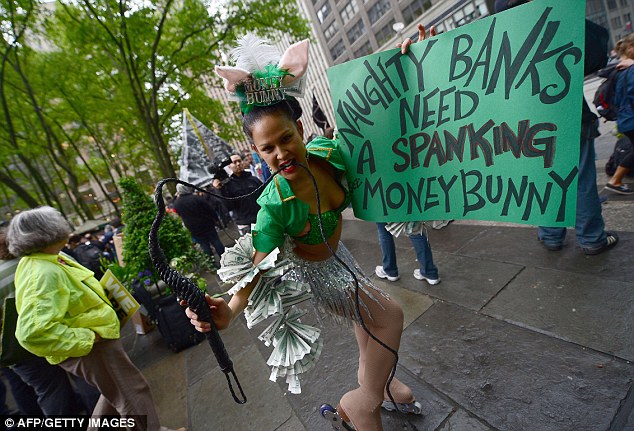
74 362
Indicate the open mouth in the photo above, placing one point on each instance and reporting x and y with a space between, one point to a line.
289 166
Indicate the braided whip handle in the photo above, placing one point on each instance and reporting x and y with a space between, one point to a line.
188 291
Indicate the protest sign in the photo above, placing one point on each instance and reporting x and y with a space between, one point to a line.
122 301
481 122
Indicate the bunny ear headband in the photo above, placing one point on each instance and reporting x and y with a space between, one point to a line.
262 76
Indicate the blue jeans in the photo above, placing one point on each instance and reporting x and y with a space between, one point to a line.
589 225
51 383
421 247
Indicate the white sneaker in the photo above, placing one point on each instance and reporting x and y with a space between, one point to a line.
419 276
382 274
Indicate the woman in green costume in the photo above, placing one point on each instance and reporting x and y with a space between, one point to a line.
287 261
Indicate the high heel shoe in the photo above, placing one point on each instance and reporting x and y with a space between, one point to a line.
400 391
337 417
413 407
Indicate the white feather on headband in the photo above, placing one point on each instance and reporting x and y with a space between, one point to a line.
261 75
254 53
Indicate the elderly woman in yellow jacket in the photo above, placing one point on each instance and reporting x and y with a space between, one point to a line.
65 316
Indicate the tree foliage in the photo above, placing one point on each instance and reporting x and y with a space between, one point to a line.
93 90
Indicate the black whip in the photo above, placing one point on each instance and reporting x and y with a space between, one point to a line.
188 291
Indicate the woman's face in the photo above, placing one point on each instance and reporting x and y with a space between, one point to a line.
279 141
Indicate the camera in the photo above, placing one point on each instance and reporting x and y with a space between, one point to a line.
217 169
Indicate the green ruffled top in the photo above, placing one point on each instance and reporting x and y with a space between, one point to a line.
283 213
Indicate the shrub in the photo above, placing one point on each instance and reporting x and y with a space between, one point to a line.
138 213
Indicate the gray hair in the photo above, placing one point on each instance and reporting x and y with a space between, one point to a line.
33 230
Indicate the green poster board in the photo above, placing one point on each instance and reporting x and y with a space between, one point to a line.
482 122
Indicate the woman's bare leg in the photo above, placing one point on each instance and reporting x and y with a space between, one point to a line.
362 405
399 390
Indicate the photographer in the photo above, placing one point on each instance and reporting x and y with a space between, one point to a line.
220 177
240 183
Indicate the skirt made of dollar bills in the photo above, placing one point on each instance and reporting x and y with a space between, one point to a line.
332 285
283 281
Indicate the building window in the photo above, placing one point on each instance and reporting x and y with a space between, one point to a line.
365 49
337 50
331 30
467 14
611 4
593 6
378 10
323 12
356 31
349 11
385 34
415 9
616 21
624 3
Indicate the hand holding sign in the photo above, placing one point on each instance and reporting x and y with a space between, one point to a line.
422 35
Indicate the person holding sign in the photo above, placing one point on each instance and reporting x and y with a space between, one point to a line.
427 270
290 256
589 224
624 98
65 317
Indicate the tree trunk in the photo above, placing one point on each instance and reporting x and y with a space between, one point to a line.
19 190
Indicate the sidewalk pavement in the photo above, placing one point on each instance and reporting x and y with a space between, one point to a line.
515 337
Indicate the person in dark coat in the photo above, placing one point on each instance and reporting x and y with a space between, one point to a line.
200 218
589 225
242 183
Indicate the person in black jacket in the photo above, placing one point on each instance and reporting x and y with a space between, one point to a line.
200 218
589 226
242 183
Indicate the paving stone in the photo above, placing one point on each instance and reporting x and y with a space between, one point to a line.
413 304
467 281
520 246
237 339
514 378
336 374
168 381
575 307
211 408
292 424
463 421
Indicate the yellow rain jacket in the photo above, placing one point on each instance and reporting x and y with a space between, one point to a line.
60 308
